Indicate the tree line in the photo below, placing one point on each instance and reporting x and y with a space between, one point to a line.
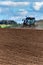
8 22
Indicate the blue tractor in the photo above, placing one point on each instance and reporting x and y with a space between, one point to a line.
29 21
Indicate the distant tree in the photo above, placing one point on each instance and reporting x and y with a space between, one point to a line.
8 22
13 22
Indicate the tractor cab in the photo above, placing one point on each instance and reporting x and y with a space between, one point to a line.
29 21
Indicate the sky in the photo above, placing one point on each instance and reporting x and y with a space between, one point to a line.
19 9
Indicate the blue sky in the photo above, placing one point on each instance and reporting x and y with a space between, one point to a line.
19 9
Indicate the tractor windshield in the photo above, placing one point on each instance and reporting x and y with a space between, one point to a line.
30 21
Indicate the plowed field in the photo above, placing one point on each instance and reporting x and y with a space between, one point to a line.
21 47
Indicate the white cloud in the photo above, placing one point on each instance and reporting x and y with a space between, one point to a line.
37 5
4 10
1 10
21 10
18 19
24 13
15 17
11 3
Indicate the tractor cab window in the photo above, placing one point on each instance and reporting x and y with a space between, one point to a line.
29 21
33 20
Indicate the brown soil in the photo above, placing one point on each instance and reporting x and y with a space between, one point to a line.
21 47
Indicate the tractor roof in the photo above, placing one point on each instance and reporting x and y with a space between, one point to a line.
31 18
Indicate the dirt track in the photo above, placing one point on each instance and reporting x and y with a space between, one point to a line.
21 47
